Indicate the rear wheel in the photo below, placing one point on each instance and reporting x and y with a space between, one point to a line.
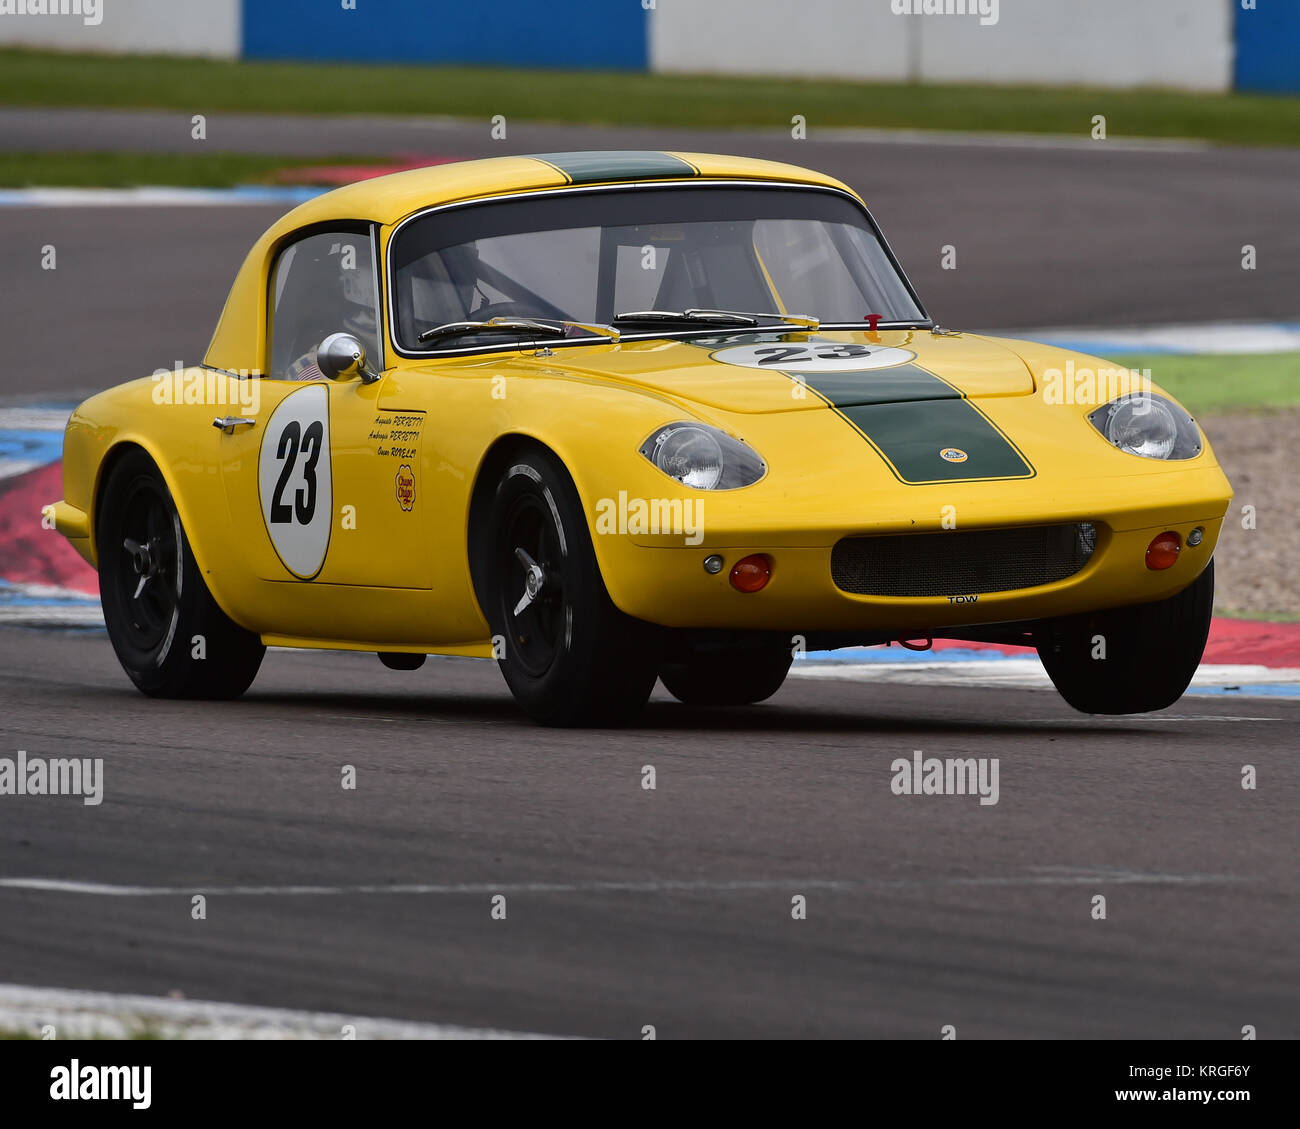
170 636
570 656
734 676
1130 660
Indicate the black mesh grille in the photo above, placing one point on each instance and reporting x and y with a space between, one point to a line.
961 563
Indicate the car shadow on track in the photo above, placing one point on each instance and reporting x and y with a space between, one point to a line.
660 716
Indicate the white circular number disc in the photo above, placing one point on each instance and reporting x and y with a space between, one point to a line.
293 479
814 356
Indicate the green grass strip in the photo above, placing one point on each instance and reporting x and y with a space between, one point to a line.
1223 382
620 98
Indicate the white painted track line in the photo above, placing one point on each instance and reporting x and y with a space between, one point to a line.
153 197
1020 673
1034 876
83 1015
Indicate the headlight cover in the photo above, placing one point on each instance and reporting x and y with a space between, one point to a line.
1149 426
703 457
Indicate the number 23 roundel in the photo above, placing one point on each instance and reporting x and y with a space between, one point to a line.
293 479
814 355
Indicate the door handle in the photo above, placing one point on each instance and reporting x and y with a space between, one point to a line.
229 423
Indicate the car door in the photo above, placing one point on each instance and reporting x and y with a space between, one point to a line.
323 484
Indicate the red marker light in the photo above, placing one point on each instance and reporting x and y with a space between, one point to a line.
873 320
752 573
1163 550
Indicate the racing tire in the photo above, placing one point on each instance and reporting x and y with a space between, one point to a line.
156 604
1151 651
731 677
570 657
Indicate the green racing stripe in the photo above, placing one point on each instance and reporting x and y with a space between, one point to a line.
900 383
909 416
617 164
909 436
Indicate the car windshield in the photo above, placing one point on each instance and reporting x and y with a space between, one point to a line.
591 256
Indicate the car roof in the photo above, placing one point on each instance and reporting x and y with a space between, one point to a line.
239 342
388 199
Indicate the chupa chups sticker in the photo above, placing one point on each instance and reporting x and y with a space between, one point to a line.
406 487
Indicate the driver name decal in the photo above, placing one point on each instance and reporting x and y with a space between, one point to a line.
397 434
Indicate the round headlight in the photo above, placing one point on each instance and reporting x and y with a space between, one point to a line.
1148 425
691 455
1143 425
703 457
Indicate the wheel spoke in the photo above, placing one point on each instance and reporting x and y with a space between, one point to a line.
532 597
148 577
534 580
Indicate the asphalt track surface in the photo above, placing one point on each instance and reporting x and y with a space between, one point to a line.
672 907
627 907
1047 233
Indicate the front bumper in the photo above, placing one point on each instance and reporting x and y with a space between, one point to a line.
674 590
74 524
662 579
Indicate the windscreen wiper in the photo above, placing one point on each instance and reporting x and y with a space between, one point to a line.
524 327
718 317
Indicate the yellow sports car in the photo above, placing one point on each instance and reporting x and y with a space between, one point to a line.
613 416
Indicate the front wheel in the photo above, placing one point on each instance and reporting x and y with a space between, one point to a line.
170 636
1130 660
569 656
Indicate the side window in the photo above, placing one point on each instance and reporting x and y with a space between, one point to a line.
322 284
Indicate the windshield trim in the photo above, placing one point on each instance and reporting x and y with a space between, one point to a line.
390 310
529 344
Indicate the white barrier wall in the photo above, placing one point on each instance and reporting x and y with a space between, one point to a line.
1176 43
181 27
1117 43
794 38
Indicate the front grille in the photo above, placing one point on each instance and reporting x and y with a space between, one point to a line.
960 563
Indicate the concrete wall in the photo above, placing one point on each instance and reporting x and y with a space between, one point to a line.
180 27
1118 43
1176 43
1189 44
794 38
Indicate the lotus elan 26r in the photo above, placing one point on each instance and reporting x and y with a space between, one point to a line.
617 416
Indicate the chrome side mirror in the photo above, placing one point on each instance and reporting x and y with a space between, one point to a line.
341 357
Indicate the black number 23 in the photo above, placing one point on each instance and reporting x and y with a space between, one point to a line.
293 440
800 354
